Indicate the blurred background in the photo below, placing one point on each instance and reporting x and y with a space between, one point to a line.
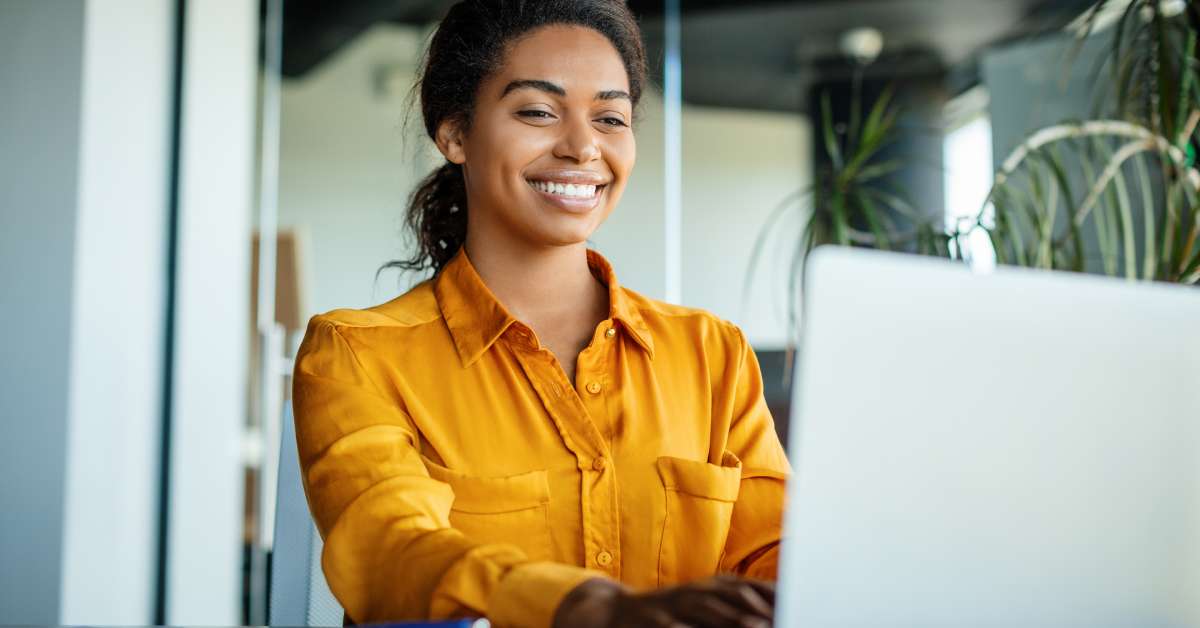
184 183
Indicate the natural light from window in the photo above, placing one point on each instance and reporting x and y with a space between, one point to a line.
967 154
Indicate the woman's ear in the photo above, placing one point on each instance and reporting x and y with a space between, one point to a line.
450 141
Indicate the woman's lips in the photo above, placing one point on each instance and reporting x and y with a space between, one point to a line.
573 204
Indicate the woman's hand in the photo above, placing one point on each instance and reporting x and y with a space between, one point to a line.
718 602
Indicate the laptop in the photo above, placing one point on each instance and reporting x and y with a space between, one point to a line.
1020 448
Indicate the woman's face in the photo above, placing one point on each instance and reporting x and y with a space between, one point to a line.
550 146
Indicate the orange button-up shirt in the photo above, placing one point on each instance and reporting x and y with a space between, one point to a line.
453 470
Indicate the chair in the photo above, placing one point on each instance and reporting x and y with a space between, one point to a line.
299 594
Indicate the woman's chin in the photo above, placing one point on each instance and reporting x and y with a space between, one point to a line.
570 239
565 237
567 229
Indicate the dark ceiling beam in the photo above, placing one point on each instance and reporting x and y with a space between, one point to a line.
313 30
655 7
761 70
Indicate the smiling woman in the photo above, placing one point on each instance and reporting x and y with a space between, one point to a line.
549 86
520 437
553 118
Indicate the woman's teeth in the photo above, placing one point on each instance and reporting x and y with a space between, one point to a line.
565 189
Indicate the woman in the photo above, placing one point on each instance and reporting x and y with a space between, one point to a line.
520 437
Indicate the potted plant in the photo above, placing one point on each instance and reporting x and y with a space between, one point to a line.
1117 194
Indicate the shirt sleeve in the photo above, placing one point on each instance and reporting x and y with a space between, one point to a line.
752 547
390 552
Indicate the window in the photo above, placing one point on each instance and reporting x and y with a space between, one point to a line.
967 153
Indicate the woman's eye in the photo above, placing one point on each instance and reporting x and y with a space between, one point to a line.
535 113
613 121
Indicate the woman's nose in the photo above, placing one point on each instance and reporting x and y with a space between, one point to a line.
578 143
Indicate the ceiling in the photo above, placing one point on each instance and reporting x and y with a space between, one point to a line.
762 54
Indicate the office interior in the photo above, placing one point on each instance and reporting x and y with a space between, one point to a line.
183 184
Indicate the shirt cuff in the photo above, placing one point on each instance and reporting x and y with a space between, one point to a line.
529 594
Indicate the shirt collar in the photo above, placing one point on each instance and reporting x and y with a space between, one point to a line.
476 318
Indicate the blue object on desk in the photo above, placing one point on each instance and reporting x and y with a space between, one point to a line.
458 623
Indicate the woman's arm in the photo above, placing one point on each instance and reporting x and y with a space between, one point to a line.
752 547
390 552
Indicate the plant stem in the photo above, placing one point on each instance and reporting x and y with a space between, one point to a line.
1095 128
1153 142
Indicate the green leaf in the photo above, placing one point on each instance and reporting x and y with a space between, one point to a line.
877 123
1164 74
855 107
1149 259
997 245
881 169
830 133
1170 222
841 231
1018 242
1055 160
894 202
1127 235
1040 209
1191 273
1024 215
1002 242
1186 81
1189 226
871 143
1109 213
871 212
1097 216
1119 57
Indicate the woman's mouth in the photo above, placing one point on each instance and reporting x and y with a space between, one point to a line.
572 197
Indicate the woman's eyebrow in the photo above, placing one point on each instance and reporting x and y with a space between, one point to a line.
553 88
538 84
613 94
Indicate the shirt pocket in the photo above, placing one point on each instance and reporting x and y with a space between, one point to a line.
513 510
699 504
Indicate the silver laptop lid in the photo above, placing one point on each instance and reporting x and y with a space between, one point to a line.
1015 449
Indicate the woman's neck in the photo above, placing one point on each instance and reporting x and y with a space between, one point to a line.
540 285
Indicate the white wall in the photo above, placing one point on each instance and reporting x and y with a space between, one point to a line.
346 171
737 167
115 386
212 323
85 117
40 68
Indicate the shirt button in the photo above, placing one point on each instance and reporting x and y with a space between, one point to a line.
593 387
612 331
599 464
604 559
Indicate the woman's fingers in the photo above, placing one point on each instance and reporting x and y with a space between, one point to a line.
658 617
765 588
709 610
744 595
647 611
719 602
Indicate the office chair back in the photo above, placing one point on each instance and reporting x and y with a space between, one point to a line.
299 594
